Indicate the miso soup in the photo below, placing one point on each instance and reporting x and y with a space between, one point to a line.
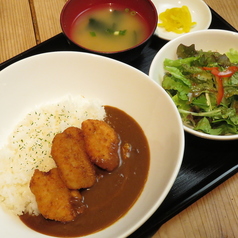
109 28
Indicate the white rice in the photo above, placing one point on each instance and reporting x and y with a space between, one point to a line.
29 148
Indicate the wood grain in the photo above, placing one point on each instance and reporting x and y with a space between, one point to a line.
17 34
227 9
48 17
213 216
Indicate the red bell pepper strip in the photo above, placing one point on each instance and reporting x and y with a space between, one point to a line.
220 89
214 70
226 73
219 75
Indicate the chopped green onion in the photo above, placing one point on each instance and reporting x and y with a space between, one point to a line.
122 33
92 33
110 31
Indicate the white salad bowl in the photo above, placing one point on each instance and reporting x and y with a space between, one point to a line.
46 77
200 13
207 40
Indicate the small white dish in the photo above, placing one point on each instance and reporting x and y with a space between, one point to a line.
199 10
207 40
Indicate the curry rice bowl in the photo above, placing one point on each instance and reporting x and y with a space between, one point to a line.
29 145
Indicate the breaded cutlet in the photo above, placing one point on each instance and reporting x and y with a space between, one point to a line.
75 167
102 143
53 197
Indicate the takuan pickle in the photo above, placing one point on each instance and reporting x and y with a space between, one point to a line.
177 20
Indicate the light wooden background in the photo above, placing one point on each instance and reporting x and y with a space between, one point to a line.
25 23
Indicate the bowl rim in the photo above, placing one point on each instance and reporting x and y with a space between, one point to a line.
178 40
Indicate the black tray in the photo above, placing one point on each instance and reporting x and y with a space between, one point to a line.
206 163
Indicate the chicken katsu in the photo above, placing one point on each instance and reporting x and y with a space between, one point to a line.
68 151
53 198
102 143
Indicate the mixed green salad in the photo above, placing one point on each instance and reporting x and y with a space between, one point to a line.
204 87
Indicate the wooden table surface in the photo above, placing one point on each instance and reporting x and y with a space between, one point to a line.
25 23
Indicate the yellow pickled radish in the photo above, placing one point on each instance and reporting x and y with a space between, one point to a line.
177 20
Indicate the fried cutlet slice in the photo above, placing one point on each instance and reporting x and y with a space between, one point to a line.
53 197
101 143
75 167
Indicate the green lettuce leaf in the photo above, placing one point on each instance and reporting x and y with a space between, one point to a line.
233 55
205 126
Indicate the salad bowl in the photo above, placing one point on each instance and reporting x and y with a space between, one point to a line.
221 41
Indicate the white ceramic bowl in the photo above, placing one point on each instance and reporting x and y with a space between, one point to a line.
47 77
214 40
199 10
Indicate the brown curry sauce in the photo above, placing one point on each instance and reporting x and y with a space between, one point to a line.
114 193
